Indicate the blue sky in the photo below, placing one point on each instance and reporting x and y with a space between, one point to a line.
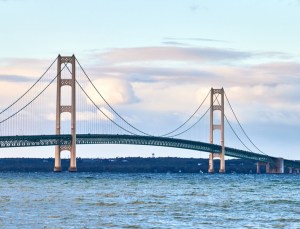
249 47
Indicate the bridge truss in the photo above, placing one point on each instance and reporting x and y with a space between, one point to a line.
65 140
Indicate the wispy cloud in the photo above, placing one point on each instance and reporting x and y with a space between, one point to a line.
14 78
171 53
151 74
23 66
194 39
194 7
116 91
268 88
170 79
174 43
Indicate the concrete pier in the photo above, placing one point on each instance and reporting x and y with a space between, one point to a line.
278 167
258 165
211 163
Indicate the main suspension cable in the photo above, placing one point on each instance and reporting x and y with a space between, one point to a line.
239 137
195 122
165 135
109 104
236 134
32 99
241 126
98 106
102 111
29 88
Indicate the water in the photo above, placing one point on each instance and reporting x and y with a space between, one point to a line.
104 200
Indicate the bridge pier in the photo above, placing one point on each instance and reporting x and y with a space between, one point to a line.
261 163
57 161
258 165
267 167
222 163
211 163
292 170
73 167
278 167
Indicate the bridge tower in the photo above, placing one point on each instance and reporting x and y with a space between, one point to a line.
66 108
217 106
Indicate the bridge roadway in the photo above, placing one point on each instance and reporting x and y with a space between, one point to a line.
48 140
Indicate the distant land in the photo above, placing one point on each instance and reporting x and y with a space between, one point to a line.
127 165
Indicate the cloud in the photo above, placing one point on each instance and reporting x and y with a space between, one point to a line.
263 103
172 53
11 91
84 115
158 88
280 55
166 79
24 66
193 39
14 78
172 81
194 7
115 91
162 97
174 43
153 74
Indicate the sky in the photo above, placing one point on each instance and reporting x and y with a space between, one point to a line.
158 59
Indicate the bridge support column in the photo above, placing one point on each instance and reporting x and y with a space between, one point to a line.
258 164
66 108
57 161
290 170
261 163
267 167
215 105
211 163
279 166
297 170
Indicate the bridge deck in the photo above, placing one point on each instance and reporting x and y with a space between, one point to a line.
47 140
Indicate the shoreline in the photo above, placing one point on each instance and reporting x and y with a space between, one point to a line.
127 165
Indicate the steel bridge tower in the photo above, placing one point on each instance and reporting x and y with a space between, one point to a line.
66 108
215 105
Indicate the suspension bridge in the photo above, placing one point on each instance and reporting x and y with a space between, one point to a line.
29 121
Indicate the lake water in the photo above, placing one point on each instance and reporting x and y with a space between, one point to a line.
104 200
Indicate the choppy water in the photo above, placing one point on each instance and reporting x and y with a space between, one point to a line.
99 200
